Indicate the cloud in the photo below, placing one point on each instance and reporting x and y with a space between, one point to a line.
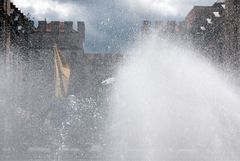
156 6
51 9
172 8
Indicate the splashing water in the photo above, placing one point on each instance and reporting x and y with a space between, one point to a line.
79 112
170 104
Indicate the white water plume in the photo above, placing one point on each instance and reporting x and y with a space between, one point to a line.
171 104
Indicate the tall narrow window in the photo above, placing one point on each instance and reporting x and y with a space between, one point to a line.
236 38
236 2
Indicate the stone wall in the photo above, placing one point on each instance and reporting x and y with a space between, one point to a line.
215 31
212 30
232 33
29 52
88 69
41 42
61 33
205 28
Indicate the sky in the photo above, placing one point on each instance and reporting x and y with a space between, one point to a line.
111 25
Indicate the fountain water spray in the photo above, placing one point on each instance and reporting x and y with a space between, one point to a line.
169 103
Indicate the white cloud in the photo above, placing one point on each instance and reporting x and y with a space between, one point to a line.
42 9
174 8
158 6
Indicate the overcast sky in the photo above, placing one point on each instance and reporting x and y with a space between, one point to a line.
110 24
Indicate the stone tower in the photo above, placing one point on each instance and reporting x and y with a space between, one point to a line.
232 33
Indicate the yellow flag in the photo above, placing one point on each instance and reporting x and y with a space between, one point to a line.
61 74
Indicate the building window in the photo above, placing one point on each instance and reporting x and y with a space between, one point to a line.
236 38
236 2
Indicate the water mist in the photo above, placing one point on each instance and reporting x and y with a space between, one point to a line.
171 104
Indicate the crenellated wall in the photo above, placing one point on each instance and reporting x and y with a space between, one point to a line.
167 29
55 32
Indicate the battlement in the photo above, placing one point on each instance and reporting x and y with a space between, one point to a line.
60 27
146 28
62 33
162 26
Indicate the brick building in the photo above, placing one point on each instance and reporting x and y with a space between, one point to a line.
232 33
215 30
205 28
212 30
